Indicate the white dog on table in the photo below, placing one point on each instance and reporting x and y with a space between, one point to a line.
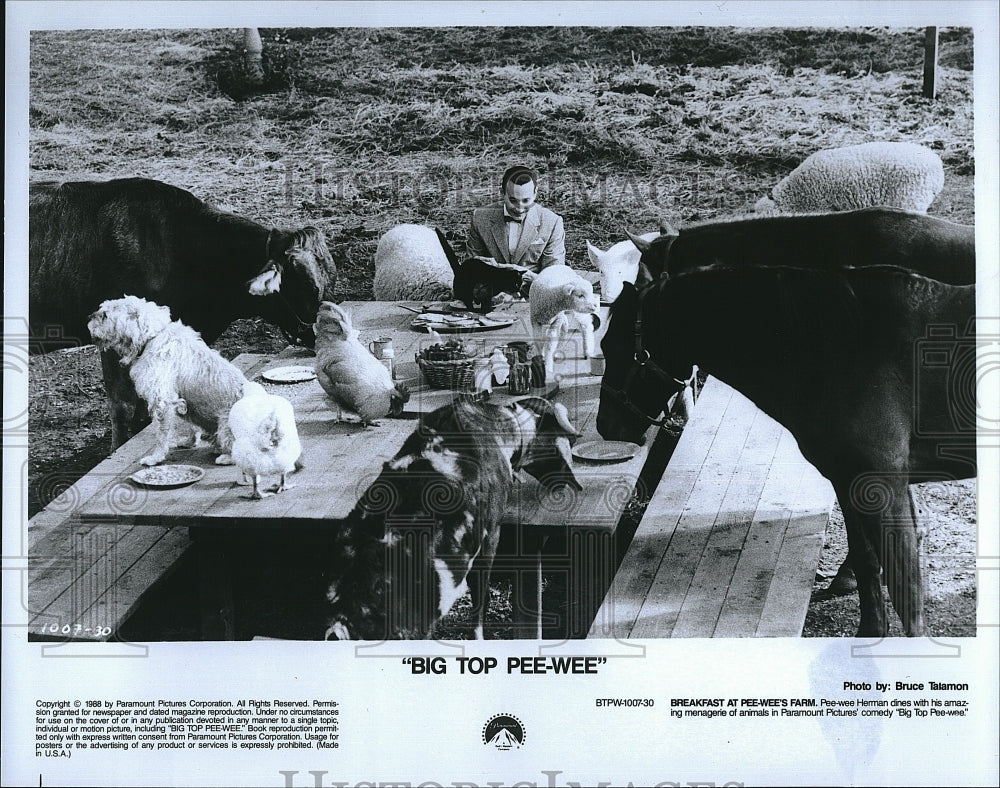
181 378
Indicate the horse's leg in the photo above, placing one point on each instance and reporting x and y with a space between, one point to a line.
863 535
901 559
844 582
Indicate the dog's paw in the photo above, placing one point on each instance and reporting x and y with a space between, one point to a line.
224 459
152 459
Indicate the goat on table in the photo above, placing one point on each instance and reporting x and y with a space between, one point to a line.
429 525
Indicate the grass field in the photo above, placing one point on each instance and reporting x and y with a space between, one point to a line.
357 130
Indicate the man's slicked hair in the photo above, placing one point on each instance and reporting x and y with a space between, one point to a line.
518 174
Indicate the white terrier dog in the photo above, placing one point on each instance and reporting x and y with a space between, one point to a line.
181 378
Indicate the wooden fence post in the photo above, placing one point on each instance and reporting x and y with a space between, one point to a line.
930 62
252 54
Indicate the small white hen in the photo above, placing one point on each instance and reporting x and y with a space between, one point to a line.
265 439
349 374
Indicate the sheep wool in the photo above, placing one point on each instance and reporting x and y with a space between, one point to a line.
891 174
557 295
411 265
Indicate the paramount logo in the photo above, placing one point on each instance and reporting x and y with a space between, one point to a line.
504 732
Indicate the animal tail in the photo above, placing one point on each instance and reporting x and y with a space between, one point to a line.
449 252
398 397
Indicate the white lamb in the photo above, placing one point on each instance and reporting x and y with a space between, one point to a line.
618 264
892 174
557 295
411 265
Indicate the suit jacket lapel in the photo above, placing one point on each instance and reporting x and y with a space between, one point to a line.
529 232
500 237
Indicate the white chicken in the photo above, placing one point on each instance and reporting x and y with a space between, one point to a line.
348 373
265 439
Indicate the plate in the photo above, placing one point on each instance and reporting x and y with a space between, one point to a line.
463 322
167 476
606 451
293 374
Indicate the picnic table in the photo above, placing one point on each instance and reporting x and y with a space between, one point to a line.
235 538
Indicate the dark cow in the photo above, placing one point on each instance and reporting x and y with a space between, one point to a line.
90 241
933 247
872 370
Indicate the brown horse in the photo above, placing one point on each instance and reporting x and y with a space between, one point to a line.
929 245
872 370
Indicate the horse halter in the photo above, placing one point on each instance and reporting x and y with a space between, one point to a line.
641 360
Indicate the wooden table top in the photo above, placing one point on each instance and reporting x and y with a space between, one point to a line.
342 459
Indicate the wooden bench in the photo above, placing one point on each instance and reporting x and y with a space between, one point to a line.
86 579
730 541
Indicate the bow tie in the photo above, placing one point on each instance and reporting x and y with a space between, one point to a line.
507 218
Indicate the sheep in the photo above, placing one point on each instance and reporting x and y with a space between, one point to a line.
892 174
618 264
411 265
557 295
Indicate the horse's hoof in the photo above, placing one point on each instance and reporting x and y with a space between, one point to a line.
842 585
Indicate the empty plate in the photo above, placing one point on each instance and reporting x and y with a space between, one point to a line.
293 374
166 476
606 451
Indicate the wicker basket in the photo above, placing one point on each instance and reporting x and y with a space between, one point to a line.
454 375
457 373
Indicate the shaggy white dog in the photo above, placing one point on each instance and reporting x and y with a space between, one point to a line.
181 378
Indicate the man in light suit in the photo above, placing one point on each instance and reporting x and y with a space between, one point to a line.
516 230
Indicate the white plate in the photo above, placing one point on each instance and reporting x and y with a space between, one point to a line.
293 374
167 476
606 451
445 324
